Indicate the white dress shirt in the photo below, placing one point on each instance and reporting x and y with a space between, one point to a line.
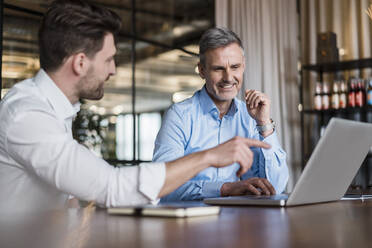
41 164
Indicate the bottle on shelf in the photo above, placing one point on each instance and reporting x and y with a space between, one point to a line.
369 117
335 99
369 92
325 96
343 94
359 94
318 96
351 93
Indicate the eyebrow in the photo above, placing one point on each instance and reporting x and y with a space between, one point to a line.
223 67
218 67
237 64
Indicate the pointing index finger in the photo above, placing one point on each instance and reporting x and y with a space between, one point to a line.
257 143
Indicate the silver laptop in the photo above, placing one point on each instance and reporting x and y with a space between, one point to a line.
329 171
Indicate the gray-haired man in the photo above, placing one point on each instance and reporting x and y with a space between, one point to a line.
214 115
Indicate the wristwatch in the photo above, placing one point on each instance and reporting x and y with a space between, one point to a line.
266 127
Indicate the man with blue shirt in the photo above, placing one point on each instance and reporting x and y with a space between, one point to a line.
214 115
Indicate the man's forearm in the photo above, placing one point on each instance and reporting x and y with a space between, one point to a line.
236 150
183 169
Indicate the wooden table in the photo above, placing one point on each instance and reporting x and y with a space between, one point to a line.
336 224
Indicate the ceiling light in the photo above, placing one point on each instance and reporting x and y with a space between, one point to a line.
93 108
181 30
101 111
117 109
342 51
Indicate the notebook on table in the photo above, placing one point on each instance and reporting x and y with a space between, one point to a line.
329 171
177 209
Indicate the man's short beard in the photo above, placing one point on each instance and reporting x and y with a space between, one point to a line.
96 95
90 94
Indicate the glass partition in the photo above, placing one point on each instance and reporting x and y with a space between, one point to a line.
156 59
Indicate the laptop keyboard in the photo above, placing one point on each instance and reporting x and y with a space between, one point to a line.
271 197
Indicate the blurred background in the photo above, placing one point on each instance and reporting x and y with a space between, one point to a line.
286 57
156 66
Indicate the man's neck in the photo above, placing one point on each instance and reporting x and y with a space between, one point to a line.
223 107
63 82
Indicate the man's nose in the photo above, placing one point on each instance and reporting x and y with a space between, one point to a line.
228 76
112 68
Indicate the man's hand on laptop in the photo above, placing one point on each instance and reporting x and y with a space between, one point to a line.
251 186
235 150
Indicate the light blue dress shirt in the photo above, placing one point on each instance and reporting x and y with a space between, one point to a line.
194 125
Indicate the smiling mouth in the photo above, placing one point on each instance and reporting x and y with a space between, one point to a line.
226 86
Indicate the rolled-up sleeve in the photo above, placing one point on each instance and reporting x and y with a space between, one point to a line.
147 185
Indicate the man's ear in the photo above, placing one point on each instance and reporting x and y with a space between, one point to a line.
201 70
80 64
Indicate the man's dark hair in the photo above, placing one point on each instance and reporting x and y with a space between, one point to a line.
73 26
215 38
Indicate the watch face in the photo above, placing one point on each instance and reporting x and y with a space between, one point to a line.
266 127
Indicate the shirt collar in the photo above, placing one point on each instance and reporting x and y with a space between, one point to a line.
208 105
57 99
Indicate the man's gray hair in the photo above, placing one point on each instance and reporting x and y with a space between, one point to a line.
215 38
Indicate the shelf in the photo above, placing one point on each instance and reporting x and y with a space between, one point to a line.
322 117
338 111
338 66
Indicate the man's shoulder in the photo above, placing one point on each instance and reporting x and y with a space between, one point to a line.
187 106
23 97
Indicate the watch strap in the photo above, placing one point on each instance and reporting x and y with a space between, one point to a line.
266 127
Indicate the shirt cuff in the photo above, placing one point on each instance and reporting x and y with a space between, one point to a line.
151 180
212 189
272 139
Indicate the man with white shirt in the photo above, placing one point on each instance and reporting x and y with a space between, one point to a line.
41 164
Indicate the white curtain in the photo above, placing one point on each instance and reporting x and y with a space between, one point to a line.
269 29
346 18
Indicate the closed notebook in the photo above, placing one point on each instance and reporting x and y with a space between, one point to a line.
167 210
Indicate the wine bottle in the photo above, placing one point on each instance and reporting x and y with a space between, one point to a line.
369 93
351 93
343 95
359 94
325 96
335 99
318 96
